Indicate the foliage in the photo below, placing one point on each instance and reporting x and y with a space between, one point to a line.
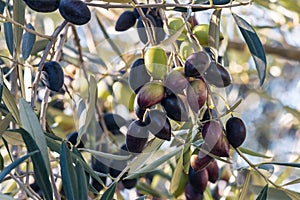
147 91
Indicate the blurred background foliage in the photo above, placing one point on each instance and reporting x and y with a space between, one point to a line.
271 112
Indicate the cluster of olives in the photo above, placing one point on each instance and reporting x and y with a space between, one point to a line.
74 11
128 19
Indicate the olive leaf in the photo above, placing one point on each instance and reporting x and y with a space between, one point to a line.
255 46
263 194
28 42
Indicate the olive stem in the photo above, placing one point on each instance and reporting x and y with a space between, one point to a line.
253 167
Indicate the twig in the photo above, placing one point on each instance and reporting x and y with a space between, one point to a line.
7 19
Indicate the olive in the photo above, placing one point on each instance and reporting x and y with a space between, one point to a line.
198 179
139 112
196 94
156 61
113 121
75 11
123 93
209 114
129 183
186 49
159 31
137 136
201 33
175 107
99 166
141 28
196 64
213 171
136 13
200 161
174 24
125 21
191 194
43 5
217 75
175 81
72 137
235 131
138 75
158 124
150 94
53 76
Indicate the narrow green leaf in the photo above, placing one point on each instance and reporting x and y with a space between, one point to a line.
28 42
106 155
6 197
81 181
13 137
68 173
154 165
13 165
1 83
109 193
4 123
245 188
179 180
18 16
296 181
263 194
39 166
252 153
32 125
39 45
10 103
186 154
214 30
166 43
147 189
255 46
297 165
8 33
293 195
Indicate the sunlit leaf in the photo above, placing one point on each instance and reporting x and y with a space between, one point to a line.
6 197
147 189
263 194
18 16
186 154
252 153
109 193
81 181
1 83
16 163
214 30
8 33
293 195
39 166
179 180
10 104
39 45
28 42
32 125
106 155
254 45
245 188
297 165
68 173
4 123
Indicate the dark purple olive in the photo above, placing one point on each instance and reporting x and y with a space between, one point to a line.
191 194
196 64
99 166
137 136
213 171
125 21
136 13
175 108
209 114
200 161
158 124
138 75
75 11
141 28
159 31
72 137
198 179
139 112
129 183
116 167
113 122
212 133
43 5
150 94
235 131
217 75
53 76
175 81
196 94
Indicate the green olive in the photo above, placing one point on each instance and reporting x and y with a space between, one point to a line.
156 61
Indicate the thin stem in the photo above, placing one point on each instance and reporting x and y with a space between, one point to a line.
44 108
8 19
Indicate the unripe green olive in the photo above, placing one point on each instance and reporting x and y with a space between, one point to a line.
156 61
